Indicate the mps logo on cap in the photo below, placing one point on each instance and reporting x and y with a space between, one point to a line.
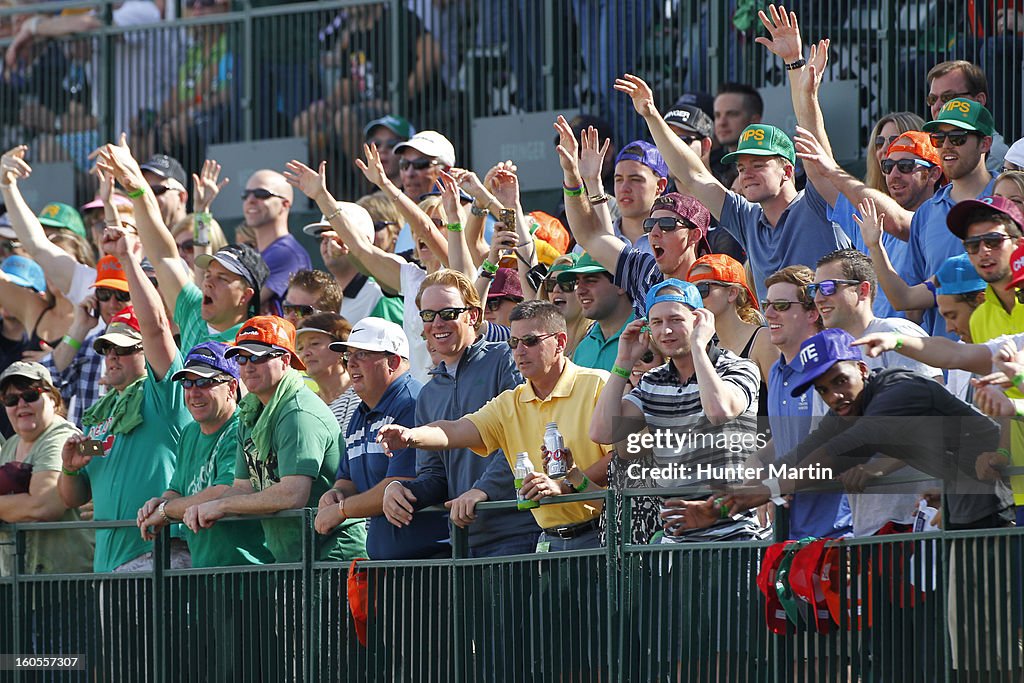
50 211
962 106
755 133
809 354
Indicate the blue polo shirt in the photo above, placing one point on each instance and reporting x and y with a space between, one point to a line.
594 351
365 464
284 256
803 234
791 419
931 243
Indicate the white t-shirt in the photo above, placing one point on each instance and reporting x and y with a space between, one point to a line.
412 276
361 305
82 280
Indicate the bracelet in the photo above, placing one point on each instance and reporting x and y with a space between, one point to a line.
334 214
473 209
598 199
69 473
485 273
489 267
773 487
572 192
341 509
162 509
135 194
584 485
723 509
572 489
795 65
1018 379
455 227
72 342
621 372
1004 452
899 343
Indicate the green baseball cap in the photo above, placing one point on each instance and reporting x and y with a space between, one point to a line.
586 264
966 114
58 215
566 265
763 140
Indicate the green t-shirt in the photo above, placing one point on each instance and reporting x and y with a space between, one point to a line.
188 314
390 308
206 460
47 552
594 351
137 466
306 441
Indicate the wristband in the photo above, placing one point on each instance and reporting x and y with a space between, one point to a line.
931 288
774 489
899 343
489 267
1004 452
572 191
341 509
723 509
584 485
621 372
455 227
72 342
795 65
67 472
1018 379
135 194
483 272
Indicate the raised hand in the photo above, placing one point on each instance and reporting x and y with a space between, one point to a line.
784 31
592 153
205 187
634 341
502 240
119 242
469 182
118 161
13 165
450 200
73 459
703 328
639 92
816 63
568 148
372 168
870 222
505 184
810 150
309 182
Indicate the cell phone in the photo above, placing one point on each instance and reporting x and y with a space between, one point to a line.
508 217
91 447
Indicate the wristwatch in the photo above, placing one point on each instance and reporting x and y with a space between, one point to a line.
476 211
598 198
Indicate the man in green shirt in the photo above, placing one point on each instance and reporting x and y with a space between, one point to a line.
609 306
205 466
287 450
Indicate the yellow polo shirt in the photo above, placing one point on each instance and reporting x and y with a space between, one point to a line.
988 321
514 421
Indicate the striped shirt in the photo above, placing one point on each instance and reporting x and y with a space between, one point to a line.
636 272
699 451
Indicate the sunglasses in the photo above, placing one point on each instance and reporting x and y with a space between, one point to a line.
704 288
690 139
495 303
667 224
418 164
1019 294
828 287
258 360
187 245
29 396
259 193
905 166
202 382
10 245
449 314
160 189
380 225
299 310
991 240
361 356
779 305
883 141
105 295
105 349
530 340
567 286
956 137
944 97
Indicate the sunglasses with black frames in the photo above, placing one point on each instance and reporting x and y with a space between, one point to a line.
667 224
258 360
122 351
418 164
259 193
956 137
202 382
991 240
905 166
530 340
779 305
103 294
567 285
449 314
29 396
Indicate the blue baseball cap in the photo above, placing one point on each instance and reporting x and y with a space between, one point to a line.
819 353
647 154
956 275
24 272
689 296
207 360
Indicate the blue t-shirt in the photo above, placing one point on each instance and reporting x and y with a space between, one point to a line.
366 465
803 234
283 257
810 514
931 243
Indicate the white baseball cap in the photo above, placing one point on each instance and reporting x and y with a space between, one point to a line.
432 144
356 216
375 334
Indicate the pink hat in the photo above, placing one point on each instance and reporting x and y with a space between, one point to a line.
119 200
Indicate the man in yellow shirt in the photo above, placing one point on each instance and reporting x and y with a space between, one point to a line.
556 391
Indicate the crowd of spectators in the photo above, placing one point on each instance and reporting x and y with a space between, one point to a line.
151 370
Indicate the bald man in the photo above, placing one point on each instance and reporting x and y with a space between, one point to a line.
266 203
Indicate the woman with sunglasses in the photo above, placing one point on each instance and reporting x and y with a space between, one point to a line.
30 463
183 232
325 367
563 296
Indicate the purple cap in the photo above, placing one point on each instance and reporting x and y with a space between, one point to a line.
819 353
686 207
957 216
506 283
207 360
647 154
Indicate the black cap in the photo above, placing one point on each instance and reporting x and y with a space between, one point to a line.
692 118
165 167
240 259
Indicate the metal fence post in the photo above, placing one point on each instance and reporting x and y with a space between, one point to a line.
161 561
308 558
19 558
248 72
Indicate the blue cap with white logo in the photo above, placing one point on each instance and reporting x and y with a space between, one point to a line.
688 294
957 276
819 353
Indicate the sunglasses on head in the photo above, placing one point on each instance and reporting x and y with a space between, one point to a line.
258 360
704 287
104 295
495 303
944 97
105 349
905 166
448 314
991 240
667 224
418 164
380 225
202 382
567 285
884 141
828 287
779 305
259 193
299 310
530 340
29 396
956 137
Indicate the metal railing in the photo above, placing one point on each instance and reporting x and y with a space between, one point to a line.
321 70
937 606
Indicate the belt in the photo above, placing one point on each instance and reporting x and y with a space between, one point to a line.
567 533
